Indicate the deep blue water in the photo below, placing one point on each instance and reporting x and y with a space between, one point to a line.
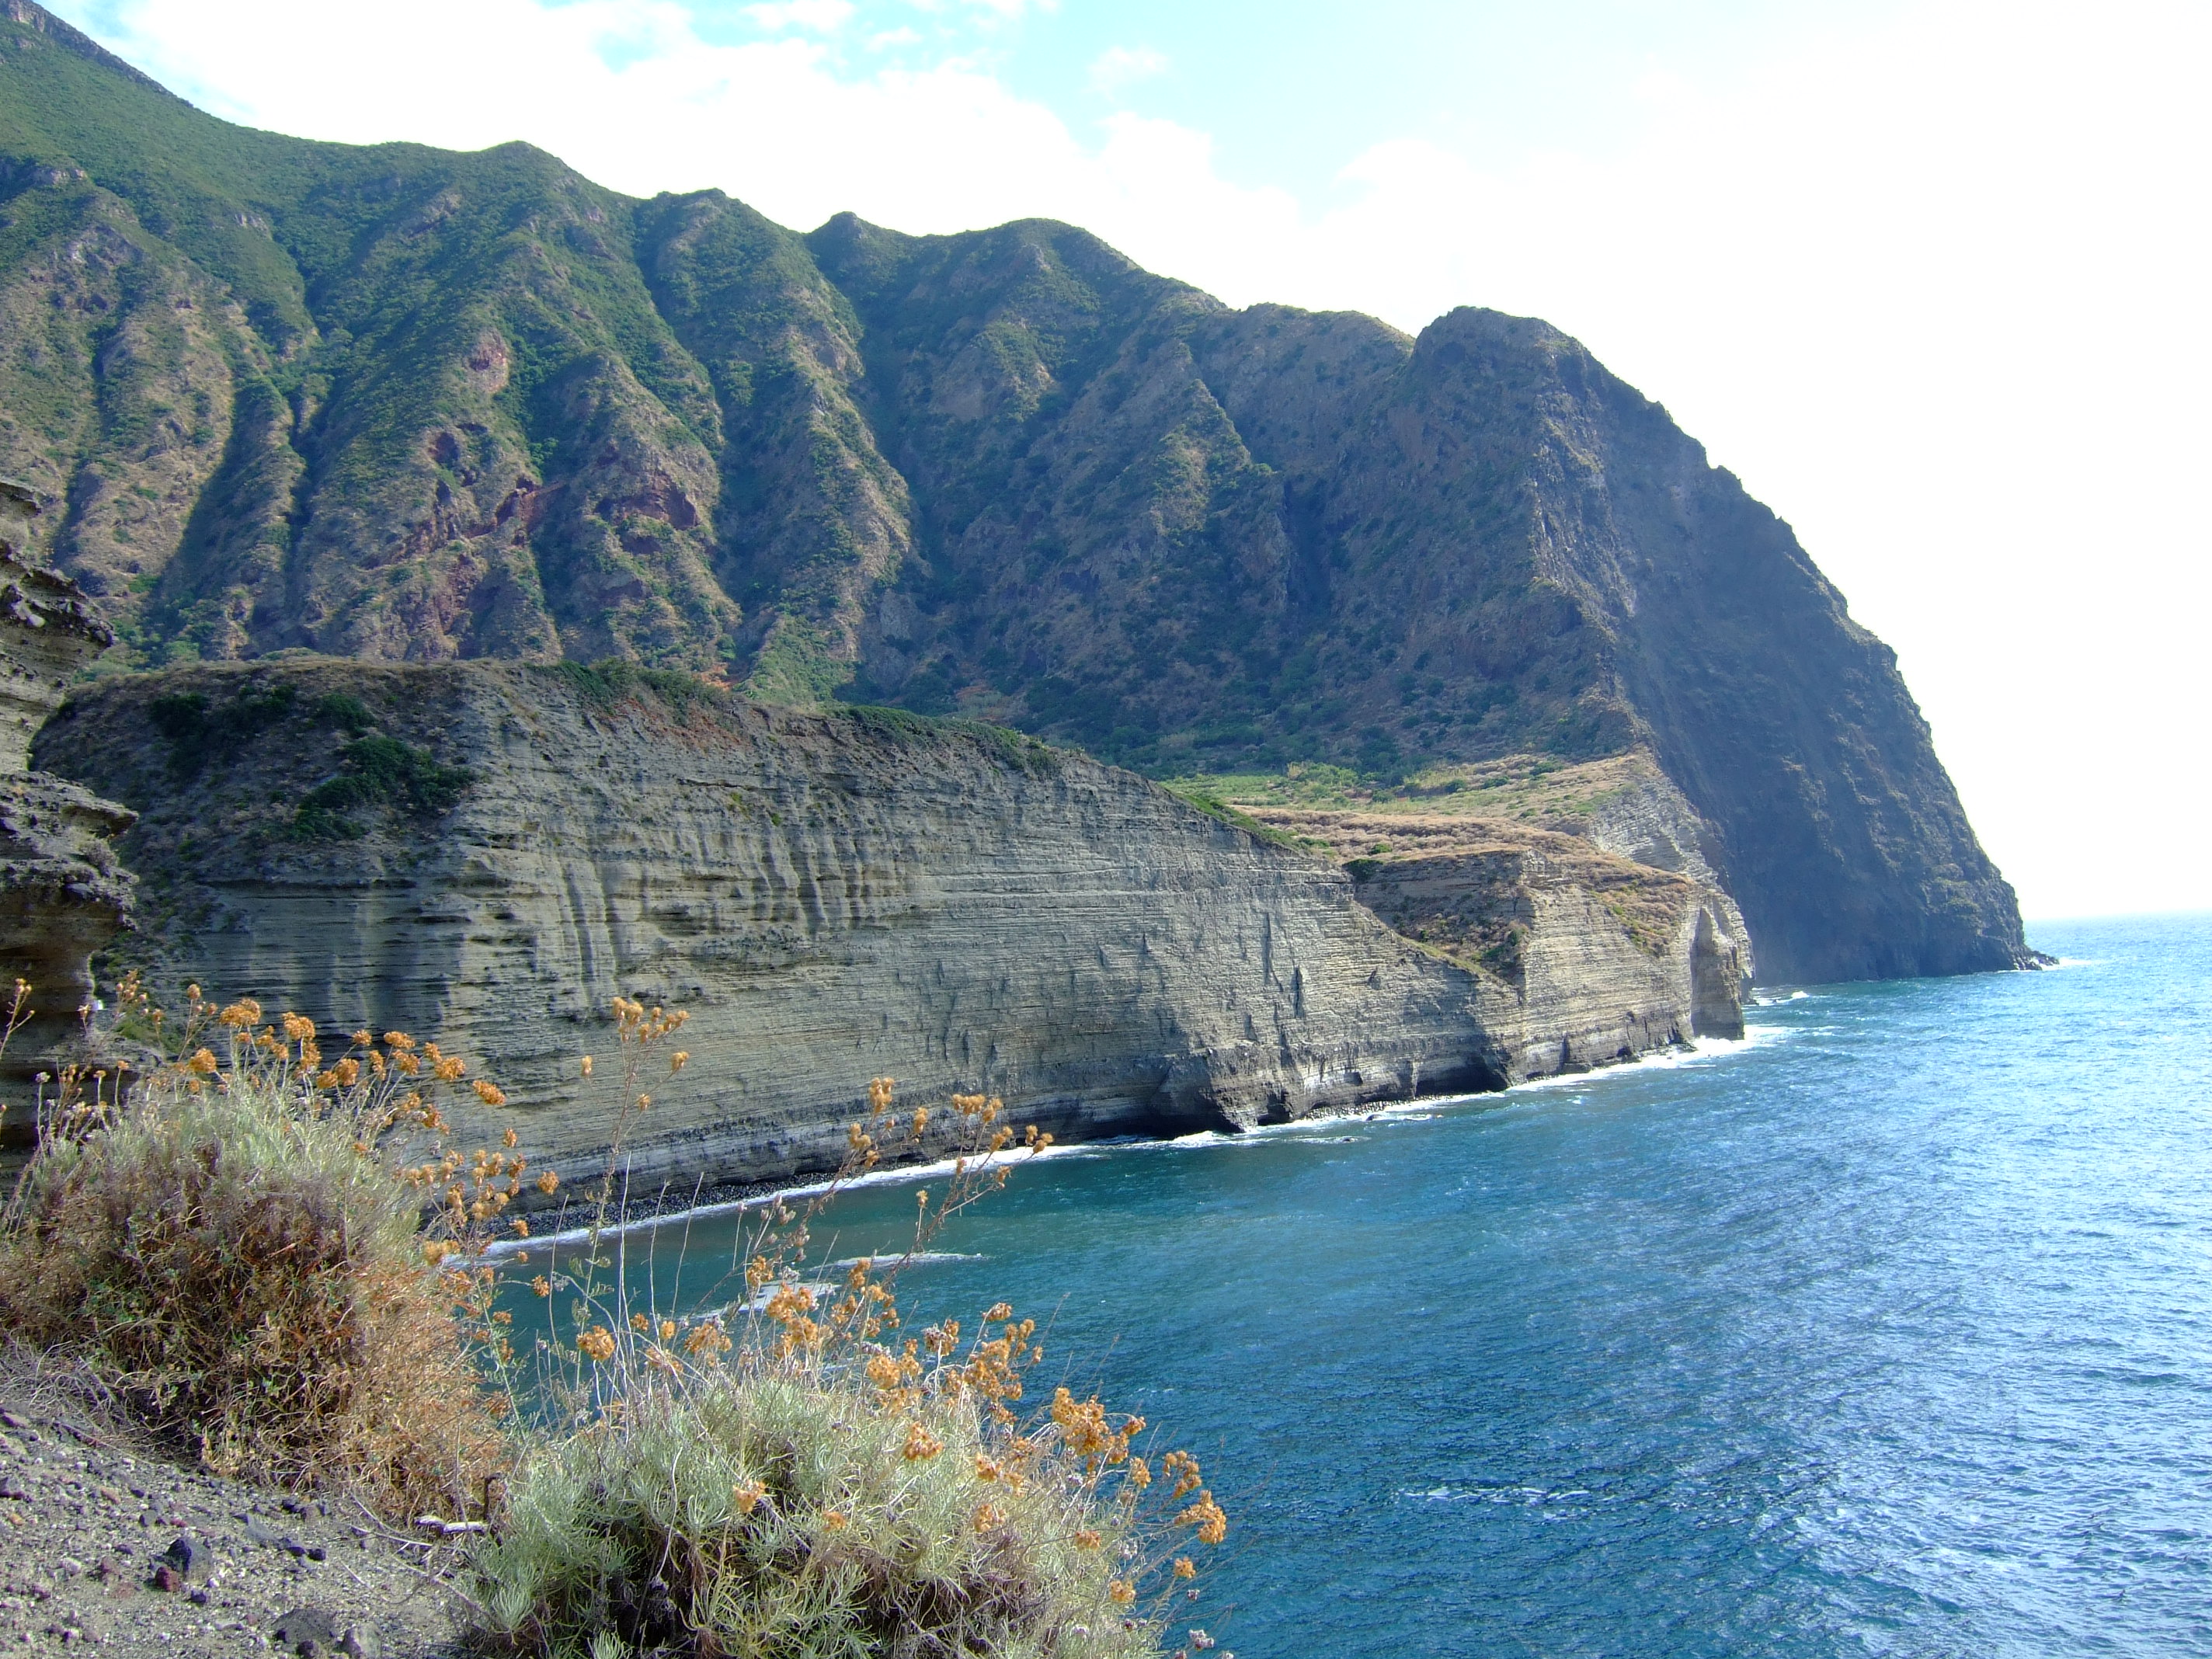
1889 1331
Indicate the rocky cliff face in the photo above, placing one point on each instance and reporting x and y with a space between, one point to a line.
405 404
487 853
1582 896
61 893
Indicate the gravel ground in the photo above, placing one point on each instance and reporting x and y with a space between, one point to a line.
89 1512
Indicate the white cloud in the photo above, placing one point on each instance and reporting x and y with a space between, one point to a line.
1933 289
821 16
1118 67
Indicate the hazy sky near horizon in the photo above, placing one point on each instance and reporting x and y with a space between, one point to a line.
1928 275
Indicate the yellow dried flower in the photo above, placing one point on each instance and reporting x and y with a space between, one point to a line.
748 1495
834 1520
507 1140
596 1344
921 1444
1120 1592
1207 1515
1185 1568
988 1516
677 1060
587 1065
706 1341
490 1096
542 1284
1087 1539
1184 1467
667 1330
547 1181
299 1028
398 1040
203 1062
347 1072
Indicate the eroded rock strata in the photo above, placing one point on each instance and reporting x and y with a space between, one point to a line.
1581 957
61 893
486 854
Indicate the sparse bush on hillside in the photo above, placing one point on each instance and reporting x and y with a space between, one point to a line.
227 1240
379 772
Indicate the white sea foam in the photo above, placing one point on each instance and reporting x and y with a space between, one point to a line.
1706 1051
1703 1051
1011 1158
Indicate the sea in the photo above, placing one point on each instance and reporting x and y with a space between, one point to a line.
1885 1331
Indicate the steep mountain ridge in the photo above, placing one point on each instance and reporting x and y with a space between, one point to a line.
405 404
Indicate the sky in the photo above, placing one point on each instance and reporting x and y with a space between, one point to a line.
1930 275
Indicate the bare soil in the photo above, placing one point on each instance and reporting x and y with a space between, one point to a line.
89 1510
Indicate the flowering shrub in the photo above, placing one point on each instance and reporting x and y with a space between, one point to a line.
234 1239
799 1477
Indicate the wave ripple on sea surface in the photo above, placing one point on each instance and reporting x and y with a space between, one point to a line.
1888 1332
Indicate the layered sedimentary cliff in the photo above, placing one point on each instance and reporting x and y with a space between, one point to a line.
487 853
61 893
1582 956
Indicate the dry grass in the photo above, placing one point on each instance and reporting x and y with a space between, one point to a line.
231 1250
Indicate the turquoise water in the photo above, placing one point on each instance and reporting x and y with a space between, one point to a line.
1888 1332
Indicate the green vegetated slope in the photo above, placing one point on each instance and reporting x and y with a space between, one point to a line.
400 403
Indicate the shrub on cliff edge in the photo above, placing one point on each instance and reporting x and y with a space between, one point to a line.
228 1247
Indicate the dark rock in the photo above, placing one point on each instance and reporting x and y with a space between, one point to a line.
167 1578
192 1559
361 1641
304 1626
